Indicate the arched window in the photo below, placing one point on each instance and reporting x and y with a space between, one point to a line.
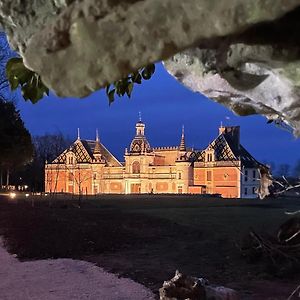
71 159
136 167
210 155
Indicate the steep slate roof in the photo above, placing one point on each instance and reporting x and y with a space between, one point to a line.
84 149
109 158
228 149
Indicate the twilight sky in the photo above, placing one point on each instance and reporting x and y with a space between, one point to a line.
166 106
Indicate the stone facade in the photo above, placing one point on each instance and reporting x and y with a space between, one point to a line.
224 167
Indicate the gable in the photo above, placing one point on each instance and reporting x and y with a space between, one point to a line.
80 152
223 152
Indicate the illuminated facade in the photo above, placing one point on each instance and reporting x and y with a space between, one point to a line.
224 167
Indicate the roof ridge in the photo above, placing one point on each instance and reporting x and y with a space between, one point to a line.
111 154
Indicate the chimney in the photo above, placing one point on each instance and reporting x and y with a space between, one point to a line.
222 129
233 133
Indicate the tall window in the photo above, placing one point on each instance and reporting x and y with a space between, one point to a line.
246 175
254 175
179 175
136 167
208 175
246 191
210 156
71 160
71 177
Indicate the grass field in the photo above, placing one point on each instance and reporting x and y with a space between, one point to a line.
147 237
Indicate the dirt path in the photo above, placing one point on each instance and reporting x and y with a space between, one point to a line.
62 279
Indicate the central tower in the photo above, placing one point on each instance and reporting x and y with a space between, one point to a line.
140 143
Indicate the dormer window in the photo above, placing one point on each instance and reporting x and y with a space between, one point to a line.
71 160
210 156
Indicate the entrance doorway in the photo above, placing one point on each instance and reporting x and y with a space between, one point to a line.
179 189
135 188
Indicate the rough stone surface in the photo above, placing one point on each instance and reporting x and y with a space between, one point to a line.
186 287
248 79
93 42
22 19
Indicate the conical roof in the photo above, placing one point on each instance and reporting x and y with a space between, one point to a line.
182 146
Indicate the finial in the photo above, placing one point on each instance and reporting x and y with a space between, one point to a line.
182 141
78 134
97 135
221 124
140 116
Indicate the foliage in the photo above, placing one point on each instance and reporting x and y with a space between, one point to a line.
16 147
34 89
125 85
31 84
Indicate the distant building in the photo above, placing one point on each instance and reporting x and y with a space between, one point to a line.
225 167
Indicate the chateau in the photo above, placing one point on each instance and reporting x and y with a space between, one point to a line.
224 167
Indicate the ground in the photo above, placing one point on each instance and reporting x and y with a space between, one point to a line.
146 238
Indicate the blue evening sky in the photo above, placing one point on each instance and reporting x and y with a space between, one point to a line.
166 105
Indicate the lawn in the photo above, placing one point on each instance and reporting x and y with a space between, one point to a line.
148 237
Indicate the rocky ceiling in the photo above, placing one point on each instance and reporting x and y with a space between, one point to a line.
243 54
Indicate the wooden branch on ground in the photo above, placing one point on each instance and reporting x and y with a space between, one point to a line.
296 290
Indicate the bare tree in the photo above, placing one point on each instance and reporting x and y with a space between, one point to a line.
46 148
80 178
297 169
284 170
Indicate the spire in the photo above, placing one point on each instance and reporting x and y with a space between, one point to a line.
140 126
78 134
97 135
182 142
97 149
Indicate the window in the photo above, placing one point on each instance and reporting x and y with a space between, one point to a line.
136 167
179 175
180 190
253 190
208 175
254 175
209 157
71 160
246 175
95 189
246 191
95 176
71 177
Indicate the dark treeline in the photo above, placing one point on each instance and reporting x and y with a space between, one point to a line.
284 169
46 148
16 148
